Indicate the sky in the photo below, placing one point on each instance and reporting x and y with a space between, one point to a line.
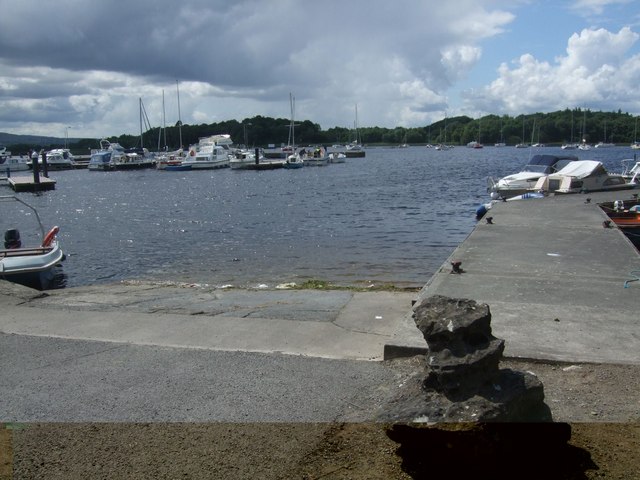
79 68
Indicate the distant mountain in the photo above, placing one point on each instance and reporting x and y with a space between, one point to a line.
9 139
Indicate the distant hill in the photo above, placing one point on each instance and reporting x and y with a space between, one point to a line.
9 139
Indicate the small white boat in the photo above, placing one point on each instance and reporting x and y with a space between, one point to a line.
13 164
100 161
525 180
244 159
38 265
107 156
134 159
57 159
10 163
294 161
169 159
582 176
209 153
337 157
314 156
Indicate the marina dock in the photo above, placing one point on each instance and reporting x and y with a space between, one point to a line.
27 184
561 285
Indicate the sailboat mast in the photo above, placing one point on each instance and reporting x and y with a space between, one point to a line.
164 122
140 114
292 102
179 116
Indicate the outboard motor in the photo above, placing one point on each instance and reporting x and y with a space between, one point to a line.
12 238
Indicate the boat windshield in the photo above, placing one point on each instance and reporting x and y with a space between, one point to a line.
561 164
536 168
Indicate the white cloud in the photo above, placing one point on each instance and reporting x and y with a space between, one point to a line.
595 7
595 72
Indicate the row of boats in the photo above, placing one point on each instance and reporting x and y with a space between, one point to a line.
215 151
558 174
57 159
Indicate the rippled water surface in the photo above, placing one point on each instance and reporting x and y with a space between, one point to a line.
392 217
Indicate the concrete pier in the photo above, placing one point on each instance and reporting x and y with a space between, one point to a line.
554 278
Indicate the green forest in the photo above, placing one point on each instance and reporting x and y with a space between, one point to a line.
553 128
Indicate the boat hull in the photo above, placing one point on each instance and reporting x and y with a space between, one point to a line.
38 268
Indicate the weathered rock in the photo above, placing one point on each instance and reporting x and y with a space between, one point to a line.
462 381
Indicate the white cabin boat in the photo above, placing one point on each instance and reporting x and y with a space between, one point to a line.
13 164
582 176
525 180
57 159
210 152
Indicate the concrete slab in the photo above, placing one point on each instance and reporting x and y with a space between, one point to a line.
554 279
327 324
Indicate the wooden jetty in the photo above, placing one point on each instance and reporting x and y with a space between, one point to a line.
28 184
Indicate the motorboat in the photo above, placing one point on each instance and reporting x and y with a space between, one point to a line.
243 159
337 157
107 156
314 157
10 163
38 265
169 159
134 159
582 176
57 159
294 161
210 152
625 214
525 180
100 161
13 164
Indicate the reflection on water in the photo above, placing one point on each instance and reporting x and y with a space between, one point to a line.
392 217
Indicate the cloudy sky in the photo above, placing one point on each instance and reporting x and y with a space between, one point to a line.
79 67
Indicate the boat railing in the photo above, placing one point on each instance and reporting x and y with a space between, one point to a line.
8 198
21 252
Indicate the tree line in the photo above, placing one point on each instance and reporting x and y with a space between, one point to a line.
555 128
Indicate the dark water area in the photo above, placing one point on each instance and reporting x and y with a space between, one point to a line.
392 217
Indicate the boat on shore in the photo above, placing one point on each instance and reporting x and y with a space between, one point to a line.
38 265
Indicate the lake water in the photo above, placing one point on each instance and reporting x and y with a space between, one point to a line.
392 217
